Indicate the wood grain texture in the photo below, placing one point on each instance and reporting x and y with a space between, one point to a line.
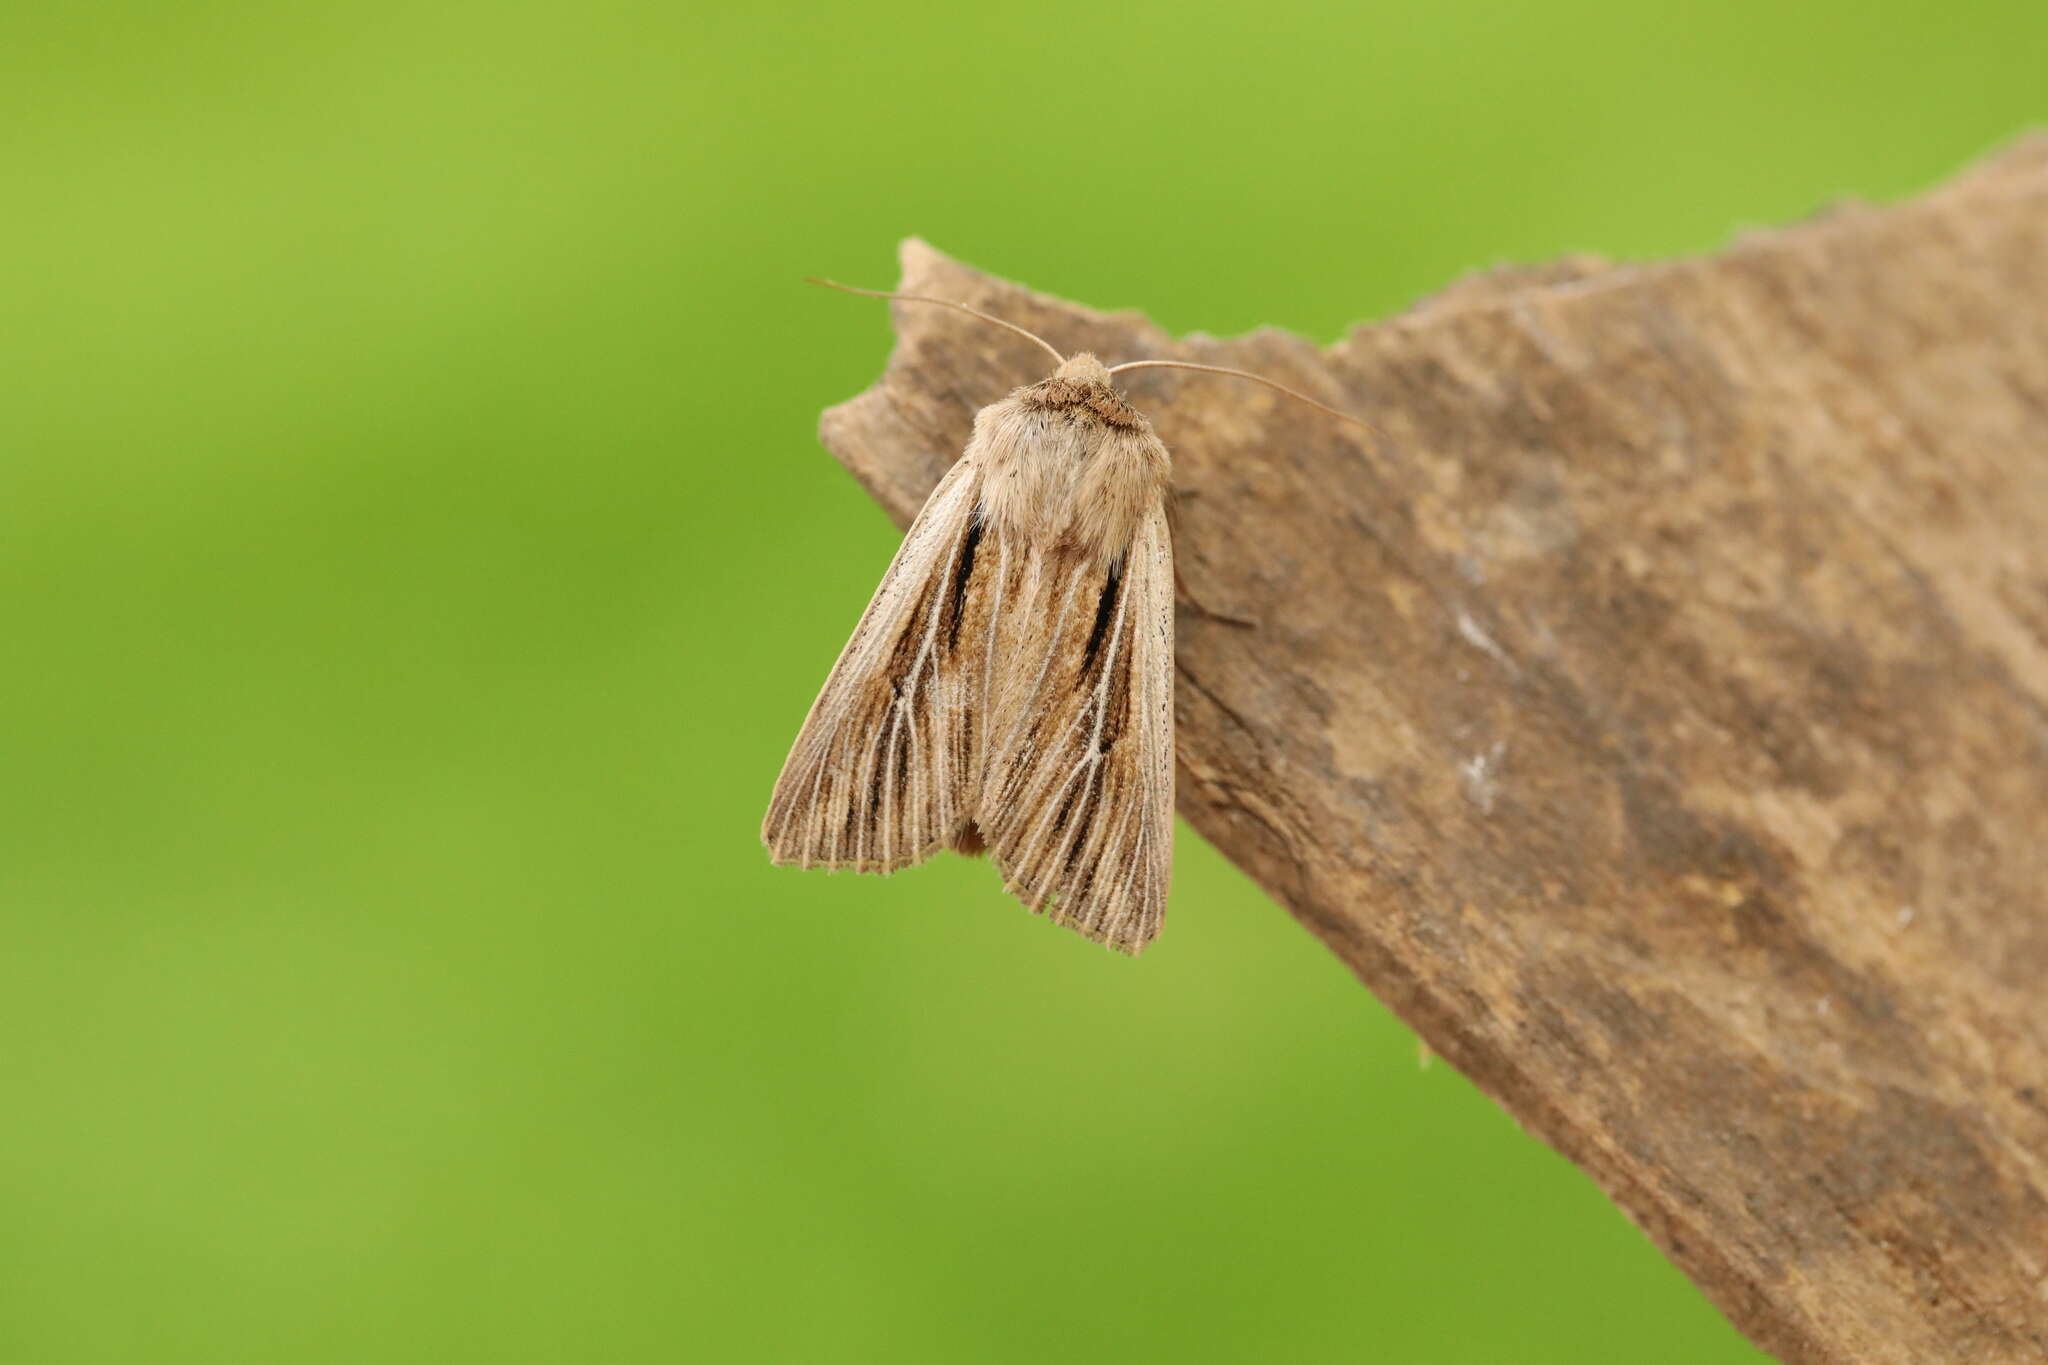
1657 719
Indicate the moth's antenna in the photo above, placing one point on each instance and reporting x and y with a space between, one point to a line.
1255 378
944 303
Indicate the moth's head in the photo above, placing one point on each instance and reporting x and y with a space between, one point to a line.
1083 368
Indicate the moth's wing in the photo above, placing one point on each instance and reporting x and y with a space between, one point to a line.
1077 803
888 765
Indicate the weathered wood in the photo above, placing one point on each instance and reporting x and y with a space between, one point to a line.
1657 719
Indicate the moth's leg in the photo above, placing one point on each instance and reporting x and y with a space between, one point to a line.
1181 590
1194 604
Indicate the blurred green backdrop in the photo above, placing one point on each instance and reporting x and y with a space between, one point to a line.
417 558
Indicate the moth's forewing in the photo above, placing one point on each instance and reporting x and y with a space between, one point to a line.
1078 801
887 768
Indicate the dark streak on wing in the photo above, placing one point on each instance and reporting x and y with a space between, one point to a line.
1114 718
1105 611
957 601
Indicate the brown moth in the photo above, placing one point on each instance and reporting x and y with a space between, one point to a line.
1010 686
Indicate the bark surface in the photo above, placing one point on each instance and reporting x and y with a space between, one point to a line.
1656 716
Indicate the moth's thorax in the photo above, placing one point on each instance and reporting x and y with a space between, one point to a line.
1068 459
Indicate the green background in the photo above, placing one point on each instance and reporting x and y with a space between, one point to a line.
416 556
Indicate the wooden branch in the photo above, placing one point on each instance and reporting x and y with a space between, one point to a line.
1657 720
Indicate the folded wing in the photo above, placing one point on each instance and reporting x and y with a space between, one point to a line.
1077 800
887 768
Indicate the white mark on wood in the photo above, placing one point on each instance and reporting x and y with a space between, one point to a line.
1476 636
1481 774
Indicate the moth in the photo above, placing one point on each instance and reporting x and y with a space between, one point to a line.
1009 688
